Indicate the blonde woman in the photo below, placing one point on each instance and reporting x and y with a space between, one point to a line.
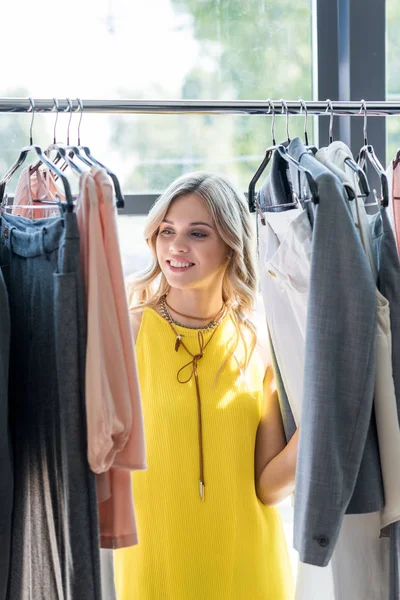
217 457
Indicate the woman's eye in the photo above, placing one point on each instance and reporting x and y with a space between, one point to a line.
165 232
199 234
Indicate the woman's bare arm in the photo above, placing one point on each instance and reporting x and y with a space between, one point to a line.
275 461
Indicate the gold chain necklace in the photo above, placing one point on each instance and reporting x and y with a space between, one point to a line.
167 316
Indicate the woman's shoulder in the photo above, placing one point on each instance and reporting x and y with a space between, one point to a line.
136 318
136 321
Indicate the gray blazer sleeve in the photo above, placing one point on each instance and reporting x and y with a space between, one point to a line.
338 378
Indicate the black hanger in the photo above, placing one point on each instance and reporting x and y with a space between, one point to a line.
362 178
367 152
120 203
282 151
44 159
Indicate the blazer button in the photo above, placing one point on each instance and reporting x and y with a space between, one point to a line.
272 273
323 541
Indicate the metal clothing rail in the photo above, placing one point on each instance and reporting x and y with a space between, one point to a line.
234 107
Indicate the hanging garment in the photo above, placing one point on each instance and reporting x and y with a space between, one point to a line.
289 424
339 374
229 546
285 288
334 158
389 284
55 547
284 250
384 262
6 481
388 323
115 424
365 497
32 187
381 251
388 281
107 575
393 175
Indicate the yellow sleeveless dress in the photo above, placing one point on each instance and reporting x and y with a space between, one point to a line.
228 546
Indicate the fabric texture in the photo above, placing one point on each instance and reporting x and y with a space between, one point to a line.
289 424
339 374
356 558
382 250
115 422
32 187
388 282
394 208
229 546
7 479
55 544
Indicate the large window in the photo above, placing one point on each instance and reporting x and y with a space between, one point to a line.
160 49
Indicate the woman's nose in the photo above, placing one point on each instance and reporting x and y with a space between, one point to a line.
179 245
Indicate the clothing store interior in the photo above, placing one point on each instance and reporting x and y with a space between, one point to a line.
200 300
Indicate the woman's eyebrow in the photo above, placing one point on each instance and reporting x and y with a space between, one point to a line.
194 223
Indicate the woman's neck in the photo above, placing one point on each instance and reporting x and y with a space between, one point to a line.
194 307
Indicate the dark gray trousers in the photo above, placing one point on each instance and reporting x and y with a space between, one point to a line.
54 544
6 479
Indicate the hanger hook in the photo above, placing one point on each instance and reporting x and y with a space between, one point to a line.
364 108
303 105
31 108
285 108
271 110
330 108
57 108
80 107
70 117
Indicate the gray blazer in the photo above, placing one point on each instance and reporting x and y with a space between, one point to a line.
367 496
338 464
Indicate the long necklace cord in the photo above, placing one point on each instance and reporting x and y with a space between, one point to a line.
194 372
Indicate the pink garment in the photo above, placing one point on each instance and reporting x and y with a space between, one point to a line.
113 405
31 187
396 201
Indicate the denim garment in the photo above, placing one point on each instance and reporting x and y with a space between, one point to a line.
55 547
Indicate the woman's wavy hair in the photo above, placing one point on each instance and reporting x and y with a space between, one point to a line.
231 216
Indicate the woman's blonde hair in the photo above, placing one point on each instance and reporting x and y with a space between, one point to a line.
231 217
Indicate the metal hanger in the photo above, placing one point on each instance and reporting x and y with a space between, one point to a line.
71 149
363 181
120 202
367 151
282 151
62 149
44 159
303 105
348 189
330 108
286 111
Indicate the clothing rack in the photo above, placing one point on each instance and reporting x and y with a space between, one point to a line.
235 107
